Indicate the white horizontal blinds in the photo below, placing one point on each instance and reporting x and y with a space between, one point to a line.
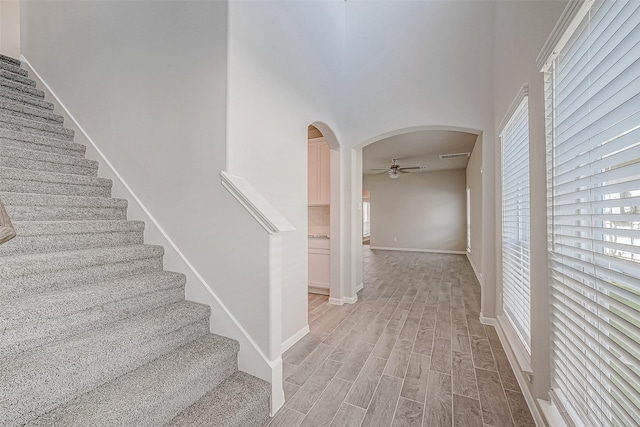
515 223
593 132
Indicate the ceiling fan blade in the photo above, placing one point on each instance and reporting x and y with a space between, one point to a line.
379 169
413 168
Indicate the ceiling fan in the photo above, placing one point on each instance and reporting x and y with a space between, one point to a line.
394 171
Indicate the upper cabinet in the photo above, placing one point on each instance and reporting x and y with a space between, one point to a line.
319 172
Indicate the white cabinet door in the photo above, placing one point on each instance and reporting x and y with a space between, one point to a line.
324 173
314 186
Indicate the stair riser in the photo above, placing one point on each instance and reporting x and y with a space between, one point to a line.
29 336
9 60
39 165
73 150
36 128
17 287
13 86
46 391
39 187
26 100
13 69
24 111
197 380
22 245
62 213
17 78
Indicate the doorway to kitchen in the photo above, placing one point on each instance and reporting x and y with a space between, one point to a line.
325 273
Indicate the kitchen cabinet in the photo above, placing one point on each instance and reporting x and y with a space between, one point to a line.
319 265
319 172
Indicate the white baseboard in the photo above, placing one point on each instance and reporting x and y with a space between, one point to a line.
318 288
360 287
290 342
515 366
431 251
475 270
552 414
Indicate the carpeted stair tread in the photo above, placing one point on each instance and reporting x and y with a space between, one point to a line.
36 381
23 275
13 68
20 158
154 393
52 207
34 127
52 236
29 181
9 107
10 60
5 74
46 317
12 85
241 400
50 144
21 265
28 100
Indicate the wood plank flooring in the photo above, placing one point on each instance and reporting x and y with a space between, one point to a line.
410 352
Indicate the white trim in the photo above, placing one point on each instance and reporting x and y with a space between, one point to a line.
259 207
475 270
350 300
520 376
359 287
563 30
293 339
434 251
551 414
318 288
336 301
520 353
274 365
522 93
489 321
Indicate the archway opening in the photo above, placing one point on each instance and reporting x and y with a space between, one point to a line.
324 209
428 200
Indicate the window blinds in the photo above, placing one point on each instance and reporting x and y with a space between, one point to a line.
515 222
593 158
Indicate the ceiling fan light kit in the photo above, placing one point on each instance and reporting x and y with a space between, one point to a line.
394 171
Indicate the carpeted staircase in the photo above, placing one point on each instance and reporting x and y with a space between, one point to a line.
93 331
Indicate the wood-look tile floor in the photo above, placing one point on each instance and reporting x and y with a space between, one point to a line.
410 352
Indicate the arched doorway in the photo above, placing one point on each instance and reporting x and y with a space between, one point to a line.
357 188
325 212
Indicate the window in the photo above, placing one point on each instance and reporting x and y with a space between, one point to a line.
593 145
515 222
366 219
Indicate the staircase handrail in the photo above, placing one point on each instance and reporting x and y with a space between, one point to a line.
7 232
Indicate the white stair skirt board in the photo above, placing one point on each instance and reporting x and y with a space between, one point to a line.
433 251
515 366
68 389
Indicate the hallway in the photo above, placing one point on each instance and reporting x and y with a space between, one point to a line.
410 352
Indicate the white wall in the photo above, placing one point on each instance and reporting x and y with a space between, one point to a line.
474 183
285 64
10 28
521 30
147 82
416 64
420 210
